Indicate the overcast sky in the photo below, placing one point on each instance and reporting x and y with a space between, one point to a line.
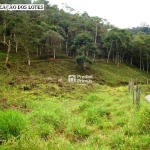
121 13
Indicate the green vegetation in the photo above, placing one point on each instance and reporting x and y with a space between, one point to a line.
11 123
41 110
143 28
40 114
104 120
84 38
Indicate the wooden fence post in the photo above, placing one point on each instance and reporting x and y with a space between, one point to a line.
131 87
137 95
133 95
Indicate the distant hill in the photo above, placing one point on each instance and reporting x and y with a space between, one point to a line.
145 29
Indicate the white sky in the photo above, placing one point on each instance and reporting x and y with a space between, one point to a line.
121 13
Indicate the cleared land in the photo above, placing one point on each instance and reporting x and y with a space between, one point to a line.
40 114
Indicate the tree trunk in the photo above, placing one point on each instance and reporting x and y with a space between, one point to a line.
67 46
147 67
4 36
54 53
116 57
8 51
140 58
41 48
28 56
15 40
109 52
87 53
122 58
60 47
37 52
142 64
93 57
118 60
131 59
96 34
147 64
84 65
113 57
16 46
108 56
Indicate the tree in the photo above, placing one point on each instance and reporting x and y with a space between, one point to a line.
81 60
108 43
53 38
139 41
147 46
112 41
118 41
84 43
64 25
6 33
26 36
96 22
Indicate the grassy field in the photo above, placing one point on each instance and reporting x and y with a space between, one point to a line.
37 114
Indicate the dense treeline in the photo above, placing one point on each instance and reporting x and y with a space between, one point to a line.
143 28
78 35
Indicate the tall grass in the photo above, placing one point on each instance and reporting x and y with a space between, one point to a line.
11 124
106 119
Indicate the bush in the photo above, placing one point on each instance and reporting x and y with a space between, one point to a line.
11 124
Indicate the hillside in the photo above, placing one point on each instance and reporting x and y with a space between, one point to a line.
39 113
41 68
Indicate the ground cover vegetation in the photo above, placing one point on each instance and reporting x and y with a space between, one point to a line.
38 111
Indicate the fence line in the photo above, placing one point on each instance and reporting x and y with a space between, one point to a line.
132 91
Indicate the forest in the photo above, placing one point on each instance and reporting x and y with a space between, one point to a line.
80 36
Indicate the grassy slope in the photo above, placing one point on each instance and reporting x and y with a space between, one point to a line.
103 73
71 116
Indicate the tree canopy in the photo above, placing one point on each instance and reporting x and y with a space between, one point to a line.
80 36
